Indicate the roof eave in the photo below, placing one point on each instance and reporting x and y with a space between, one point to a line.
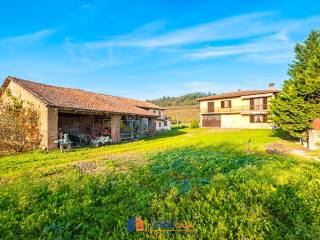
98 111
216 97
5 85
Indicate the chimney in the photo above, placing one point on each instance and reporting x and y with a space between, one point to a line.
271 86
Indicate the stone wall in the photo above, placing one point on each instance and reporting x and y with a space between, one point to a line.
314 135
316 124
314 139
19 92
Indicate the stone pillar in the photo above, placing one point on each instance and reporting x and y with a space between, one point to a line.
314 139
48 127
115 127
152 126
52 128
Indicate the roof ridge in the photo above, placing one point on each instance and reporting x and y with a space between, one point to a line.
241 91
238 93
78 89
31 92
58 97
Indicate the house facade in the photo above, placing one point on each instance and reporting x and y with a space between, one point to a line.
314 135
241 109
162 122
75 111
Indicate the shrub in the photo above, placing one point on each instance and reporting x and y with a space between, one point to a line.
194 124
19 126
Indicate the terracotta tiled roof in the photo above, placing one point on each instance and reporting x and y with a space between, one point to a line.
237 94
138 103
75 99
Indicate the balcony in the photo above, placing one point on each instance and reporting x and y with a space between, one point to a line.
241 109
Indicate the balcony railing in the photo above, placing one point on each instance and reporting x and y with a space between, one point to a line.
262 107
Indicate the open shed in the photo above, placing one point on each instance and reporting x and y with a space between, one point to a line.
75 111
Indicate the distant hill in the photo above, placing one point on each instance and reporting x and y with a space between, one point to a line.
183 109
184 100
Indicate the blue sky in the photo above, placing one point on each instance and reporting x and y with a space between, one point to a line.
150 49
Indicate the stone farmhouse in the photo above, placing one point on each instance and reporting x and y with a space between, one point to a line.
77 111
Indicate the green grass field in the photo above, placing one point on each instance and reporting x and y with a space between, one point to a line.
203 177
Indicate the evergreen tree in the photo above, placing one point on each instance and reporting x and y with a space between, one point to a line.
299 101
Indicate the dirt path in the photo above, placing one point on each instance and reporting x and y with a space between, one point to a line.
279 148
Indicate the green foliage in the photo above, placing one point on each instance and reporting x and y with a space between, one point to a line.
199 176
19 125
299 102
194 124
188 99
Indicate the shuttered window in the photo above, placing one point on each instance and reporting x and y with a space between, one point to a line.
258 118
259 103
210 106
265 103
226 104
251 104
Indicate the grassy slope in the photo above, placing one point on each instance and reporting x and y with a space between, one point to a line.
200 176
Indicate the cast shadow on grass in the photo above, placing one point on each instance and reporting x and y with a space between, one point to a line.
283 135
180 184
176 131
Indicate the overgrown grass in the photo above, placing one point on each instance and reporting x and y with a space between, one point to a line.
200 176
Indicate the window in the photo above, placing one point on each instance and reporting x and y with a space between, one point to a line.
258 103
210 106
226 104
258 118
165 123
159 124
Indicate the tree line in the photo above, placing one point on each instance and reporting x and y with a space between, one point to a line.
187 99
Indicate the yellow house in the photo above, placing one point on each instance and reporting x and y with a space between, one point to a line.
241 109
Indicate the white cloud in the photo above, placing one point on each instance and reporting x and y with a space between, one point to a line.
29 38
281 57
236 27
229 28
277 47
260 37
